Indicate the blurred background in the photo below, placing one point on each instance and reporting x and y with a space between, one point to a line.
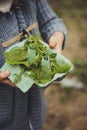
66 100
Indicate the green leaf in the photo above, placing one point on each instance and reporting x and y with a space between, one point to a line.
32 61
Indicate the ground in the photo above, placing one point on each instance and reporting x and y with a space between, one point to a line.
67 107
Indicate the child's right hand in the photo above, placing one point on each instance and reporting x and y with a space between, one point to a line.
4 78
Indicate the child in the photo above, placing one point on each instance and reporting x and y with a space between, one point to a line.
25 111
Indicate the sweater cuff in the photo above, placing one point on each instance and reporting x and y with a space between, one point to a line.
52 27
49 22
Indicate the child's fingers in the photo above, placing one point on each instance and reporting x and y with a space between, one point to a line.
52 42
4 75
54 39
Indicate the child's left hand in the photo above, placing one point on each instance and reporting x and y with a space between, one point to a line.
56 41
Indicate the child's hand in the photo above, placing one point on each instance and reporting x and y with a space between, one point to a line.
4 78
56 41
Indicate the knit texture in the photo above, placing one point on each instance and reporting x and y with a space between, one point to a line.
19 111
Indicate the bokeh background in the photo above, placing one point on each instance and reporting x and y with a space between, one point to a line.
67 100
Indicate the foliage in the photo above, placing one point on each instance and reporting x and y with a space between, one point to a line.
36 61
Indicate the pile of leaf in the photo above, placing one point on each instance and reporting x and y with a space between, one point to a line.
36 60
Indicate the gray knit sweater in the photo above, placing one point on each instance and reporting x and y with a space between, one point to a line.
20 111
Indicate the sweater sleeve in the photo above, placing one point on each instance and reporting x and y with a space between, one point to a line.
2 59
49 22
